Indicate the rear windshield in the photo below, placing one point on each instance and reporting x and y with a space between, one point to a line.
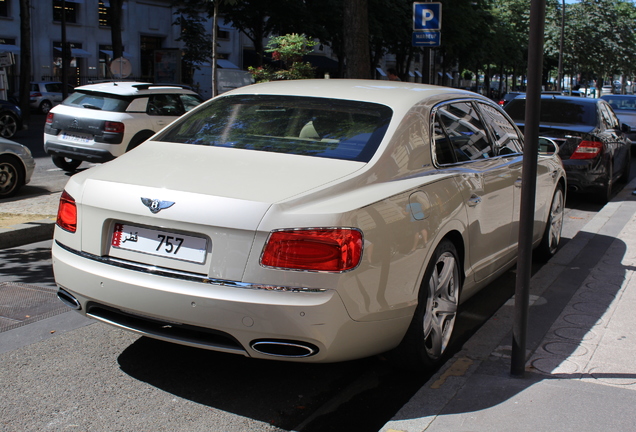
320 127
556 111
97 101
621 103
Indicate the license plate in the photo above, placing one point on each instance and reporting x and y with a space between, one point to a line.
160 243
77 137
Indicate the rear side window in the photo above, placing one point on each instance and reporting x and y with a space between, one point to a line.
97 101
556 111
460 135
320 127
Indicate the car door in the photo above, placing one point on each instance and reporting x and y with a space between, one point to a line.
463 144
618 147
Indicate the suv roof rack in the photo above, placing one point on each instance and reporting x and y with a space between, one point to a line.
147 86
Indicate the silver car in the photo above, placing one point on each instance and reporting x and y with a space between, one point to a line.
45 95
16 167
309 220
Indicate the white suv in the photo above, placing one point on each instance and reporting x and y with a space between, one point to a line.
99 122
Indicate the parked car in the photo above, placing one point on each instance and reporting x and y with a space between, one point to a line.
10 119
508 97
592 141
16 167
578 93
625 108
100 122
307 220
45 95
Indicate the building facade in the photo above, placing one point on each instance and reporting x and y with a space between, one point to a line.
147 32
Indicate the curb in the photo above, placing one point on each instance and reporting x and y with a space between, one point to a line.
25 233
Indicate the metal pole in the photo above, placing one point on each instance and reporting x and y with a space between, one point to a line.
560 77
528 187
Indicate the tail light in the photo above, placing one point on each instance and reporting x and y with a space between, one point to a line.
116 127
49 118
67 213
36 95
329 250
501 102
587 150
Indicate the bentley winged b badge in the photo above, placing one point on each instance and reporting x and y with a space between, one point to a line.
156 205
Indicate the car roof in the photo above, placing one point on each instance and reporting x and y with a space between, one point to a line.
395 94
617 96
133 88
576 99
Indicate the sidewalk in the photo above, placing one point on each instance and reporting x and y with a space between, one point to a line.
581 368
28 220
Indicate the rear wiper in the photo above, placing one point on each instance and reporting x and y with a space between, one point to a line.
91 107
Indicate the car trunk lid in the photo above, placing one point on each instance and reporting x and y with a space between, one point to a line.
220 198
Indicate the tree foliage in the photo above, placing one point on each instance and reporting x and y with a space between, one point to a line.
485 37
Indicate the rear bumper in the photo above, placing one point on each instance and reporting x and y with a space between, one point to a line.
585 175
221 317
95 155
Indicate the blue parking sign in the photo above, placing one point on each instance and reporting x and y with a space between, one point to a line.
427 16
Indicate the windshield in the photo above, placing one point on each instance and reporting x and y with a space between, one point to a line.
557 111
320 127
97 101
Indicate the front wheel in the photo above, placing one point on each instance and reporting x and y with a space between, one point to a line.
66 164
427 339
554 225
10 177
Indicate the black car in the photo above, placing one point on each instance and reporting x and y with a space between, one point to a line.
10 119
592 141
505 100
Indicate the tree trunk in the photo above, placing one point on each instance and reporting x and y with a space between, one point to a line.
25 59
115 28
356 39
214 21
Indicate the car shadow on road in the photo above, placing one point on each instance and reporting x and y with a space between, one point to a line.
282 394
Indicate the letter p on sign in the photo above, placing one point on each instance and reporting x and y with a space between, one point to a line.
427 16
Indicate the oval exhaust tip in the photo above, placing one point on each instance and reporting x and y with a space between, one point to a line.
68 299
283 348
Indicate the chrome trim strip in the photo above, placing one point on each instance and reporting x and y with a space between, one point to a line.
186 276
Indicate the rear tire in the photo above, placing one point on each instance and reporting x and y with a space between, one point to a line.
66 164
554 225
427 339
45 107
605 194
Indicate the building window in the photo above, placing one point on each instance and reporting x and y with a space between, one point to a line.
72 11
105 17
222 34
4 8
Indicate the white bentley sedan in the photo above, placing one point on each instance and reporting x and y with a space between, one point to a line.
312 220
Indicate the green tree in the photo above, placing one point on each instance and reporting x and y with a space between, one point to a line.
288 50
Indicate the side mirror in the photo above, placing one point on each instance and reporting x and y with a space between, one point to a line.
626 128
547 146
